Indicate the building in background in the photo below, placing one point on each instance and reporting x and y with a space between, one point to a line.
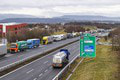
13 27
10 27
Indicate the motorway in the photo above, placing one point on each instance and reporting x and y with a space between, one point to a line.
40 69
11 58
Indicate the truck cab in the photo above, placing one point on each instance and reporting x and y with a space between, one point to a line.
32 43
13 47
18 46
47 40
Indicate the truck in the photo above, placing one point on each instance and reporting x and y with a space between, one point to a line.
57 37
33 43
69 35
63 36
74 34
47 40
3 50
61 58
18 46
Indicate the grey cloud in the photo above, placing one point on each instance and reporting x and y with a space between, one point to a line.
45 3
48 5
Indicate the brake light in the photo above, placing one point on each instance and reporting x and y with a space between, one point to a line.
60 65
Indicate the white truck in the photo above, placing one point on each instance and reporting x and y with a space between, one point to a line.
57 37
60 37
61 58
3 50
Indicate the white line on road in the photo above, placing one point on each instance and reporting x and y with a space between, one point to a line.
30 71
40 74
8 55
24 65
45 62
35 79
46 70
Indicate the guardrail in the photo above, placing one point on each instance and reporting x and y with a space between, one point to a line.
2 69
61 73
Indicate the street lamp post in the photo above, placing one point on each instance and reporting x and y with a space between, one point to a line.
4 39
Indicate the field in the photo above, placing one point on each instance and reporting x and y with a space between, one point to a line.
59 32
103 40
90 27
103 67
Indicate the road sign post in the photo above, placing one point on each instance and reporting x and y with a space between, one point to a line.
88 46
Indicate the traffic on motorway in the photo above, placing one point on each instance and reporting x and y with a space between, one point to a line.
46 67
20 46
43 68
12 59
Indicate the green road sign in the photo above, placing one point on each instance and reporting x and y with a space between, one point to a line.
88 46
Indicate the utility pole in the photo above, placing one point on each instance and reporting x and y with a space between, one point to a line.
4 38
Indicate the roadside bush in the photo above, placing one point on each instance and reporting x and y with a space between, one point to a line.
25 34
74 28
115 39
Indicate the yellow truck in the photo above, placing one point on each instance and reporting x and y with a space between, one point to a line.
47 40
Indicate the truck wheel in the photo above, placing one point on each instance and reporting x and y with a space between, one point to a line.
53 67
12 52
18 50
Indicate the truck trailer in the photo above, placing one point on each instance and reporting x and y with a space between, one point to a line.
57 37
3 50
33 43
61 58
18 46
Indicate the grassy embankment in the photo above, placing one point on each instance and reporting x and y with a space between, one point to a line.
90 27
103 40
59 32
103 67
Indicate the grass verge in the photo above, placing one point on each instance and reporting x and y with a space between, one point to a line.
104 67
59 32
103 40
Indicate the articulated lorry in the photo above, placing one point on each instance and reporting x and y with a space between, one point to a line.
47 40
3 50
61 58
18 46
33 43
57 37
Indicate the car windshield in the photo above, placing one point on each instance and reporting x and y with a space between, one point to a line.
29 43
13 46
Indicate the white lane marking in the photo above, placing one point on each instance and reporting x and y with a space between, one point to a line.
45 62
46 70
35 79
30 71
40 74
25 65
8 55
28 63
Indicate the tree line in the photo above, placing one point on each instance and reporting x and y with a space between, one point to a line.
115 36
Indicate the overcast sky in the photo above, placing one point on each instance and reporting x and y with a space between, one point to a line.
53 8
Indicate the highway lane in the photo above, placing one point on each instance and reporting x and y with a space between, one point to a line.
40 69
11 58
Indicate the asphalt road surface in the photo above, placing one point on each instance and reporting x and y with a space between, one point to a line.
40 69
11 58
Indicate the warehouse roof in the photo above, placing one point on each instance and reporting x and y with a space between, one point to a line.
9 23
